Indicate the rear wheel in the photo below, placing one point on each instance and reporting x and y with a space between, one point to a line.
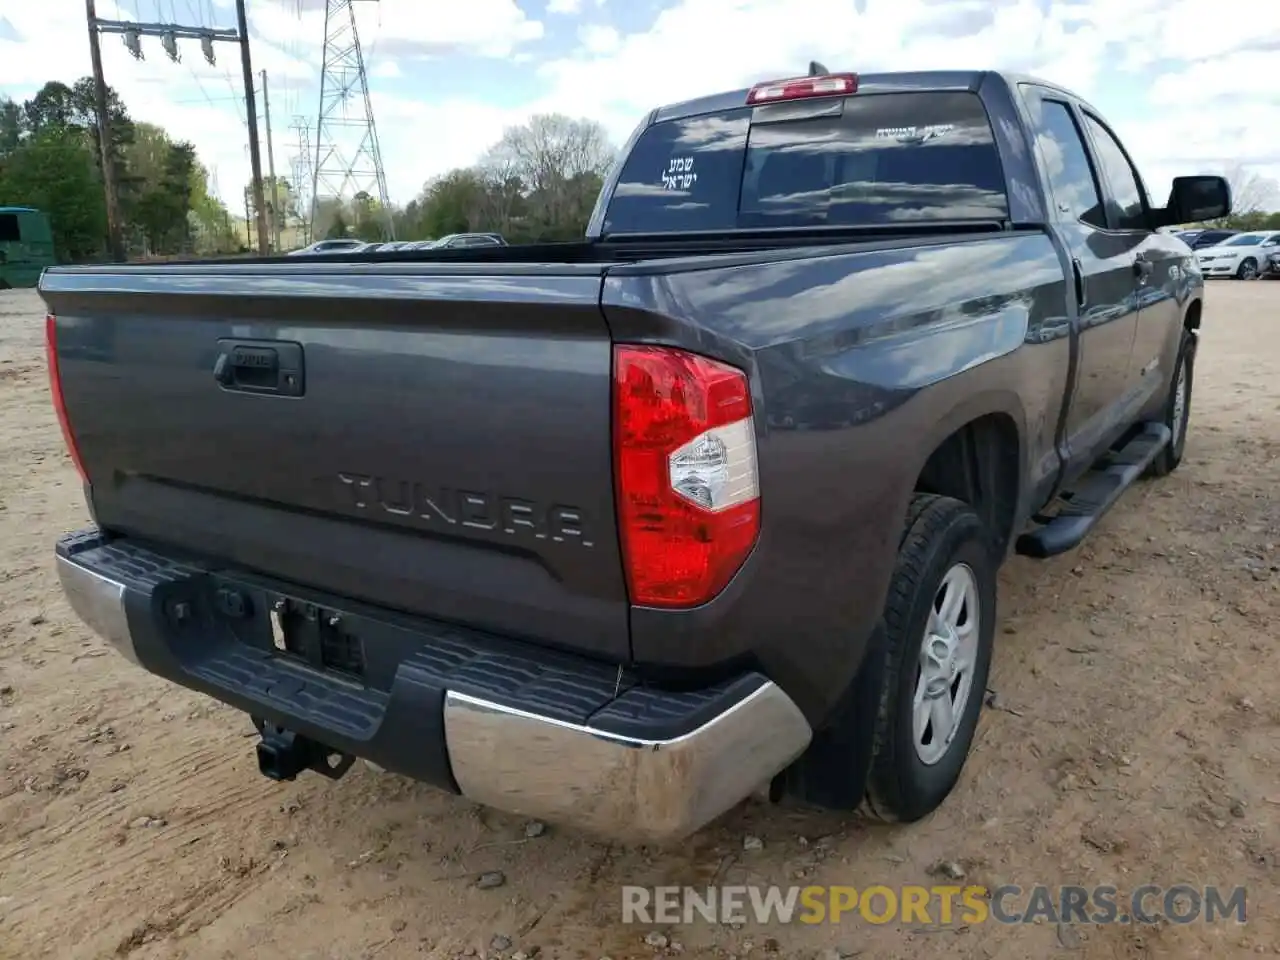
939 626
1247 270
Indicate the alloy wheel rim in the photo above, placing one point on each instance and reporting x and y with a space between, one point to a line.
946 667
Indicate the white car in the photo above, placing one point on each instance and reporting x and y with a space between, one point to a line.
1241 257
329 246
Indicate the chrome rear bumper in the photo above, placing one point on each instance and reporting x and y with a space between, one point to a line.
626 789
629 788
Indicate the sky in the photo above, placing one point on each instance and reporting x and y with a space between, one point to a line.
446 78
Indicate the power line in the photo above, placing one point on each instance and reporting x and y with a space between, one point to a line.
170 33
212 101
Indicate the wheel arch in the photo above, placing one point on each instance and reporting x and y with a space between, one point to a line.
977 455
1191 318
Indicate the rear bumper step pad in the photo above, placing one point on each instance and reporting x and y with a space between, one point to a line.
530 731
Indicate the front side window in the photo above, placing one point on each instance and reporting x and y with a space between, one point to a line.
1125 206
1066 161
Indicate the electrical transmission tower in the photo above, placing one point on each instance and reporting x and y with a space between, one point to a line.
348 158
300 164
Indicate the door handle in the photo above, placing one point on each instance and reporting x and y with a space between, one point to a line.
260 366
1082 291
1142 268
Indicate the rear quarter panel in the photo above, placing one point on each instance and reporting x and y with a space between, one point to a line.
861 364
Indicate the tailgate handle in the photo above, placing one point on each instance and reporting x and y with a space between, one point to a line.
271 367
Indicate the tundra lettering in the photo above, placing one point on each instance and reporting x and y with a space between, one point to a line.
467 508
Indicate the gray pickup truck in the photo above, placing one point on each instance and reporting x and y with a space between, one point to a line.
616 533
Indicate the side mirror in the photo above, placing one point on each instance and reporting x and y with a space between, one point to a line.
1193 199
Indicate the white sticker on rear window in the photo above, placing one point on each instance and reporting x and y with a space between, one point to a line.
679 174
913 134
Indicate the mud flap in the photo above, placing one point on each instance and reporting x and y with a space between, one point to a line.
833 772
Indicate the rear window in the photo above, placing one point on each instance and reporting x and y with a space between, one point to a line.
869 159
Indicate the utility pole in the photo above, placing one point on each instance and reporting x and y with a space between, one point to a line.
271 167
170 34
115 237
251 116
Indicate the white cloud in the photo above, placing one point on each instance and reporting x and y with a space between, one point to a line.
1187 87
489 27
1187 78
599 39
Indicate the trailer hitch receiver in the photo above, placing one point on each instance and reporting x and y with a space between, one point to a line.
283 754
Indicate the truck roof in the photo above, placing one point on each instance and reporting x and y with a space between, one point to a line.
18 210
867 83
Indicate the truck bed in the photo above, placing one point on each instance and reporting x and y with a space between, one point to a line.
448 453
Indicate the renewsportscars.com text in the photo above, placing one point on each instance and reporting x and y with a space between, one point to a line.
934 905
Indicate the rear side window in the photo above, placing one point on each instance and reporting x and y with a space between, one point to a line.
870 159
9 232
682 175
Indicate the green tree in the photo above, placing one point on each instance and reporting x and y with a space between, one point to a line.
562 162
56 105
338 228
281 202
158 181
53 170
164 209
453 203
49 159
12 126
539 182
210 221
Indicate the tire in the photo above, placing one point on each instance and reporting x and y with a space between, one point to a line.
1248 269
1181 382
945 545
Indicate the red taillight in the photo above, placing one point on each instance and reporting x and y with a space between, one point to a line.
801 88
687 486
55 388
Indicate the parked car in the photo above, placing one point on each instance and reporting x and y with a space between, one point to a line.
343 245
455 240
1196 239
614 533
1241 256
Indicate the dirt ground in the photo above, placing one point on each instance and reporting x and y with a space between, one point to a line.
1135 738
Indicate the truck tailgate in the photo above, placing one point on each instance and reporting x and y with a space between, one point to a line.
433 442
